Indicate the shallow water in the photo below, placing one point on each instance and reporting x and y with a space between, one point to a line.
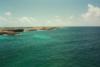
65 47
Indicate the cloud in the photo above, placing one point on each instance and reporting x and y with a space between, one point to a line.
90 18
93 14
8 13
27 21
2 18
56 21
3 21
16 21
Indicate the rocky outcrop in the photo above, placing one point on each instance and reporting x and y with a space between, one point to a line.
14 31
43 28
7 32
10 32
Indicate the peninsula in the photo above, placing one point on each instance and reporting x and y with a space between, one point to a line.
17 30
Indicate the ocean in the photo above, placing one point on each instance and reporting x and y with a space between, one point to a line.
63 47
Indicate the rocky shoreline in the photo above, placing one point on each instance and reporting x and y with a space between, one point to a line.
10 32
14 31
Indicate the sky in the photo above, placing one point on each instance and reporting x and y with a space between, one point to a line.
25 13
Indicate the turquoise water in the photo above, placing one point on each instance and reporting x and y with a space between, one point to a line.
65 47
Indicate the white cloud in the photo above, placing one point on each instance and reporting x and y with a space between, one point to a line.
16 21
3 21
8 13
56 21
93 14
25 19
2 18
90 18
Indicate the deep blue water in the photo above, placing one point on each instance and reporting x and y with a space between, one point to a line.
64 47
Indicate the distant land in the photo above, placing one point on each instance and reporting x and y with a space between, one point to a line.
16 30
